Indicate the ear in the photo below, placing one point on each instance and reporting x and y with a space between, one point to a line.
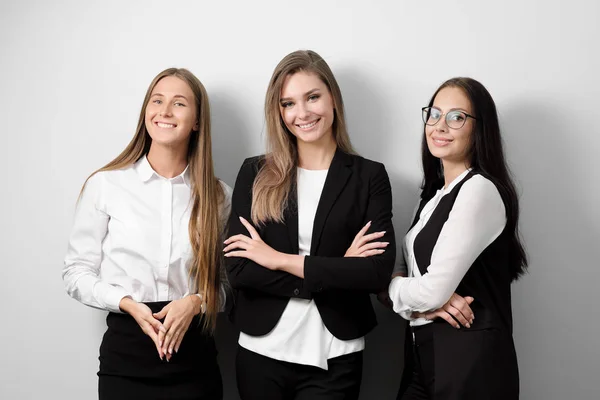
196 127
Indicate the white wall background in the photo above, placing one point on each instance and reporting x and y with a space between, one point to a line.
72 79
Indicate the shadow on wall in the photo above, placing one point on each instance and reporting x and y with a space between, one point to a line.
551 168
370 129
230 148
231 141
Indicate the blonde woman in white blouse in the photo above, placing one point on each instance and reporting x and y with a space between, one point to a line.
146 245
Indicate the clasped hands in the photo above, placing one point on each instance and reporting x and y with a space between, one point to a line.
176 316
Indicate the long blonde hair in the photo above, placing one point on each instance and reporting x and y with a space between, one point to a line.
276 177
205 227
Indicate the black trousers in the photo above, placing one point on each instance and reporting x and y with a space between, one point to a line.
130 367
264 378
420 384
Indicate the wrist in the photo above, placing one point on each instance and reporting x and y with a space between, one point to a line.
126 304
197 303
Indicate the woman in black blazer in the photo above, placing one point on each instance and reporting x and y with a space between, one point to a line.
463 247
311 238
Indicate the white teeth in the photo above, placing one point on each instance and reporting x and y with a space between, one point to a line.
307 126
163 125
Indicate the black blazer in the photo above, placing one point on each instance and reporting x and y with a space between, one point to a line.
356 191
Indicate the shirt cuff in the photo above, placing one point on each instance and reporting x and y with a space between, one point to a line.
113 297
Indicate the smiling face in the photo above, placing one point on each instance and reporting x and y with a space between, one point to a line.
450 145
306 107
171 113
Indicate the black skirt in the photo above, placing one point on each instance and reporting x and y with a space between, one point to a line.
130 367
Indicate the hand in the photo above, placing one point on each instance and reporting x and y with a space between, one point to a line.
253 248
177 315
457 307
363 245
384 298
143 316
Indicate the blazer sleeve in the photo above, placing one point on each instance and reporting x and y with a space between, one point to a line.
246 274
360 273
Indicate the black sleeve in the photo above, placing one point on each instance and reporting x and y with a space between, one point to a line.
360 273
246 274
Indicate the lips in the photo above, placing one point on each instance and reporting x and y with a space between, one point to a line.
309 125
438 141
165 125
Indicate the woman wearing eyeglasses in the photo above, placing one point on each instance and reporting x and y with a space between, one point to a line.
462 253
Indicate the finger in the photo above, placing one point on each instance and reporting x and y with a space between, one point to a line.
361 233
237 245
148 330
179 341
253 234
171 330
156 325
462 305
161 339
458 315
237 238
370 237
174 342
370 253
373 245
446 317
162 313
237 254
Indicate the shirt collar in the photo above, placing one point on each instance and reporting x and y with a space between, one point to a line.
145 171
457 180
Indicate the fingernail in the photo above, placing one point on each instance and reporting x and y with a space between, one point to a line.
171 351
242 219
386 243
159 343
468 325
176 349
369 223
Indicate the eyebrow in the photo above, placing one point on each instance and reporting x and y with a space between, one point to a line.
453 109
180 96
305 94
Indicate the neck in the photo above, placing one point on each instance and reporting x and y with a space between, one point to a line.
168 162
316 156
452 170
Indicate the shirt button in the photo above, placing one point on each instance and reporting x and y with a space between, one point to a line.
296 292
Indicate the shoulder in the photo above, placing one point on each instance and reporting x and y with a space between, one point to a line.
480 192
366 165
227 191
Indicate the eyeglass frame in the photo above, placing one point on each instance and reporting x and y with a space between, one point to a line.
445 115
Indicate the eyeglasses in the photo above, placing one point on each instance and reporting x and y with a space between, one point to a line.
454 119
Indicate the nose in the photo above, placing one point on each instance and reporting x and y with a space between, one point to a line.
165 110
442 125
303 111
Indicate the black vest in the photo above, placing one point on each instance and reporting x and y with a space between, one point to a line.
487 280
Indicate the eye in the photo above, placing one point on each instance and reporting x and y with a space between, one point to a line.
434 114
456 116
287 104
180 104
157 101
313 97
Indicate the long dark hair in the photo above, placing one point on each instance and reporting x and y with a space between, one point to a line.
486 156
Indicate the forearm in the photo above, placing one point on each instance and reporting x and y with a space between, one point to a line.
370 274
246 274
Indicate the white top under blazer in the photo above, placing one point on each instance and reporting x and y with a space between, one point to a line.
300 336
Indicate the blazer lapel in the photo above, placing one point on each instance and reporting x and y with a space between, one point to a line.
337 177
290 216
